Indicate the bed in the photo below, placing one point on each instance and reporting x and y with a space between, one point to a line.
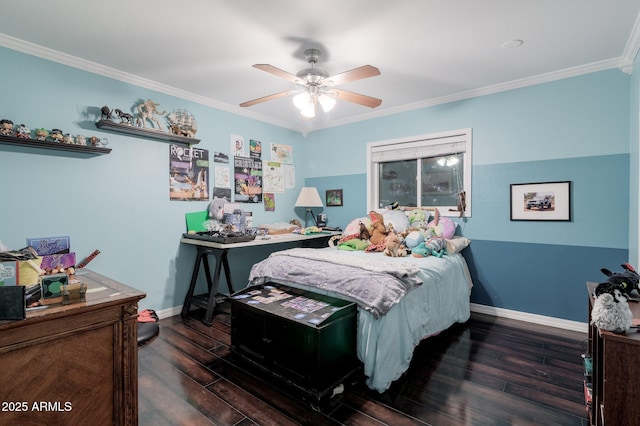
401 300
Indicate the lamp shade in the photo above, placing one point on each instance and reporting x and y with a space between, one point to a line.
309 197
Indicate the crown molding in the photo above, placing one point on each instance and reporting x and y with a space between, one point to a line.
96 68
624 63
631 49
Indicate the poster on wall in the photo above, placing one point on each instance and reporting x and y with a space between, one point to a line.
188 173
281 153
269 202
247 174
238 148
255 148
289 176
222 177
220 157
273 177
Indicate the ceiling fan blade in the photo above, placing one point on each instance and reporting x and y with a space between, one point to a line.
279 73
268 98
359 73
356 98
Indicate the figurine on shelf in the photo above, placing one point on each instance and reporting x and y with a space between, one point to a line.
106 113
6 127
56 135
68 139
81 140
182 123
147 111
23 132
41 134
95 141
125 117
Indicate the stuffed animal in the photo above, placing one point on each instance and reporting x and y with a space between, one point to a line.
629 280
378 231
417 218
610 309
436 246
442 226
216 208
393 246
413 238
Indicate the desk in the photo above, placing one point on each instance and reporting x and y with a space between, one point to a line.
66 364
220 252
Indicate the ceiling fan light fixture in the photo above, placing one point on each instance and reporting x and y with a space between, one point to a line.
326 102
301 100
309 111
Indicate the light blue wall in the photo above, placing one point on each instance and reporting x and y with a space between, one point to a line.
117 203
575 129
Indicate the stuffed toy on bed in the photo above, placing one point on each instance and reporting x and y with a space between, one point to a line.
610 309
393 246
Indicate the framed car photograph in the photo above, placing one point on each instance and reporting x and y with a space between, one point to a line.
542 201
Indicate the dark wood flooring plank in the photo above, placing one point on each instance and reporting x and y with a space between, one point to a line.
488 371
190 391
171 406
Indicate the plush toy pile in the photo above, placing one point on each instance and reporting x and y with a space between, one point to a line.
397 233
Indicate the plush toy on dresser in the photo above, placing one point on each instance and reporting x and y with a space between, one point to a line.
610 308
628 279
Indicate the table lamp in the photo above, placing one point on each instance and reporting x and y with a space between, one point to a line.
308 198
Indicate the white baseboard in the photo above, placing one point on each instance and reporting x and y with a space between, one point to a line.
169 312
581 327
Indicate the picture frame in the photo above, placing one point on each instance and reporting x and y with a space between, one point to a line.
333 198
541 201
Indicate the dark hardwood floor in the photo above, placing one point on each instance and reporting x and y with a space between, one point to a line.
488 371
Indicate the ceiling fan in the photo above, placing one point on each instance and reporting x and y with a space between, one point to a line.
317 86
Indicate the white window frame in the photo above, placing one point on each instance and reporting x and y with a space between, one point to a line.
413 148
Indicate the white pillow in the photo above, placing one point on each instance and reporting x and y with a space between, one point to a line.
397 218
456 243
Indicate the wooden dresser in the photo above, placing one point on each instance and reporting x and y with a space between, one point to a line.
616 372
73 364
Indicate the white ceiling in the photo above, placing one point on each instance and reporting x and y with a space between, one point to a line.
428 51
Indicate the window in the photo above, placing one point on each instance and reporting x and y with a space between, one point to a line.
421 171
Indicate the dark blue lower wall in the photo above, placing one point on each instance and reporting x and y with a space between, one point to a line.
540 279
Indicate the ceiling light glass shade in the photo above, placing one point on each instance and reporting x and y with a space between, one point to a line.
301 100
309 197
309 110
326 102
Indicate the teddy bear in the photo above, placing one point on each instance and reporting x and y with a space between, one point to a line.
378 231
610 309
393 246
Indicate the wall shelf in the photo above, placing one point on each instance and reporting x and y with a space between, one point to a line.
144 132
34 143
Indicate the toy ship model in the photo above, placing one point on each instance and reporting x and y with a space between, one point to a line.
183 123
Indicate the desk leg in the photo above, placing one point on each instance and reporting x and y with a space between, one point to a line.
227 272
194 277
213 286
